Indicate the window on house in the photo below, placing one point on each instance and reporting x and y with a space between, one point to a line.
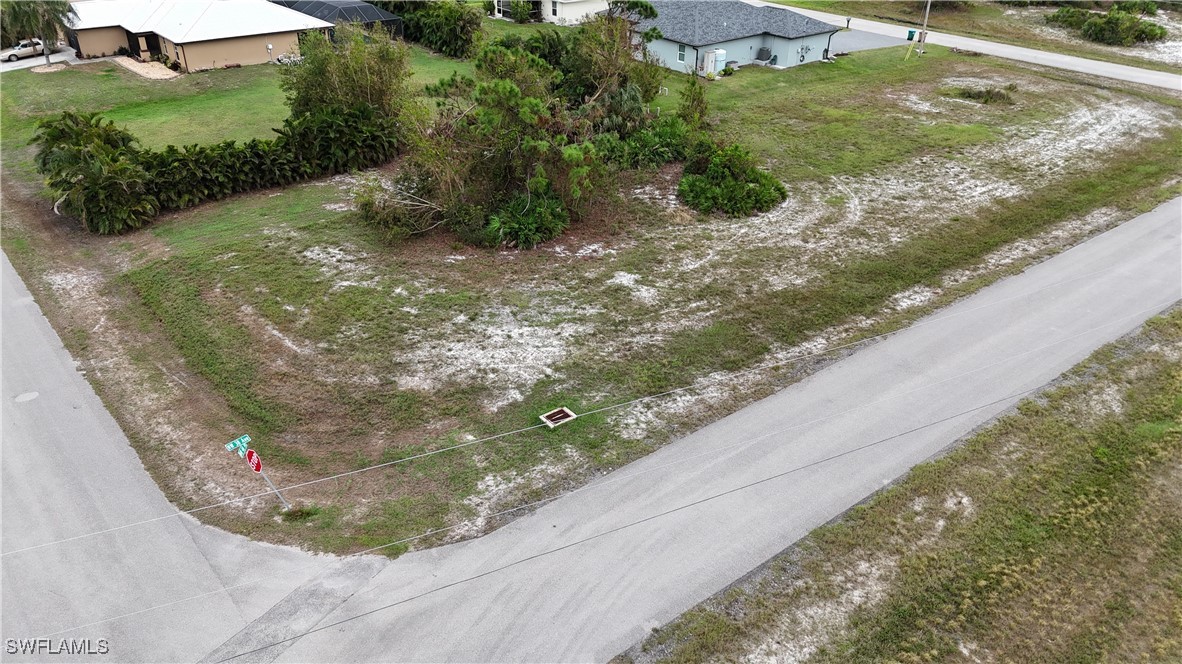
554 7
681 52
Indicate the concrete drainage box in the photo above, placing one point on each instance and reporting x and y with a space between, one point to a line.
558 416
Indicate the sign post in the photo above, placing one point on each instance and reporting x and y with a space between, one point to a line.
255 462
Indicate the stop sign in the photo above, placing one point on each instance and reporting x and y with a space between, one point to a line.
254 461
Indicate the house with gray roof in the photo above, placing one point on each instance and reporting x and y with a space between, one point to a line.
706 35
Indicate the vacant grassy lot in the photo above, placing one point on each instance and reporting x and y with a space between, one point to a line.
1022 26
278 315
1055 535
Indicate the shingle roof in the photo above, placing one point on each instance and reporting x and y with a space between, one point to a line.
705 22
339 11
185 21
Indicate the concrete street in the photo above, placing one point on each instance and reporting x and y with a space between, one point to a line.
69 470
1160 79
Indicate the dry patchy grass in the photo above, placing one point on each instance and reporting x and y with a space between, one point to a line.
1052 535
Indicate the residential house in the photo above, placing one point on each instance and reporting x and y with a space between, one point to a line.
558 12
704 36
197 34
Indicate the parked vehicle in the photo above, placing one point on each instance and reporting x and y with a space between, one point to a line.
24 49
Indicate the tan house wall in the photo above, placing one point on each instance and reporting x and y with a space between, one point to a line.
97 42
239 50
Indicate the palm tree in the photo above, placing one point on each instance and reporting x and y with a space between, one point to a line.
44 19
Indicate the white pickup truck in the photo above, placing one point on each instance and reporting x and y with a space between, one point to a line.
24 49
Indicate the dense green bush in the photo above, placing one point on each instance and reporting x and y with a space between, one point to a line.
527 221
1117 28
519 11
110 194
450 27
1143 7
358 67
113 187
1070 17
730 182
664 141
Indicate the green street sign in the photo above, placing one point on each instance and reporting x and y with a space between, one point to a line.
239 444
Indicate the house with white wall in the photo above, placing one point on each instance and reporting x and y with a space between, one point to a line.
558 12
704 36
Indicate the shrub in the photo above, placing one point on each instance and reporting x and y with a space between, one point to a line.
1120 29
489 6
731 183
727 71
666 140
399 211
526 221
112 186
694 108
519 11
111 194
1070 17
1142 7
450 27
983 95
359 67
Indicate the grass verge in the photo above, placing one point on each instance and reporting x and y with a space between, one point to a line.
1053 535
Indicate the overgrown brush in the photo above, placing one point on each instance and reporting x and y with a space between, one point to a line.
726 179
983 95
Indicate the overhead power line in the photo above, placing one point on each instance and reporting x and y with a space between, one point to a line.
479 441
629 525
627 476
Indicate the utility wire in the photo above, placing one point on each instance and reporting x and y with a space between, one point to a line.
623 477
730 376
632 524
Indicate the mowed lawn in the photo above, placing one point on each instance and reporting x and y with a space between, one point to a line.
204 107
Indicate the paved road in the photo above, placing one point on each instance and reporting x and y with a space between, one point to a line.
1160 79
590 601
68 469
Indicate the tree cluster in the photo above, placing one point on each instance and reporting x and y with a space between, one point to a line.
517 152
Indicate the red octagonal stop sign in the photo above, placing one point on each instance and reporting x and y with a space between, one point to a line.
254 461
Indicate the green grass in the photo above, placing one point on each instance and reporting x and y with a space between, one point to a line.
816 121
1071 552
203 107
210 106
